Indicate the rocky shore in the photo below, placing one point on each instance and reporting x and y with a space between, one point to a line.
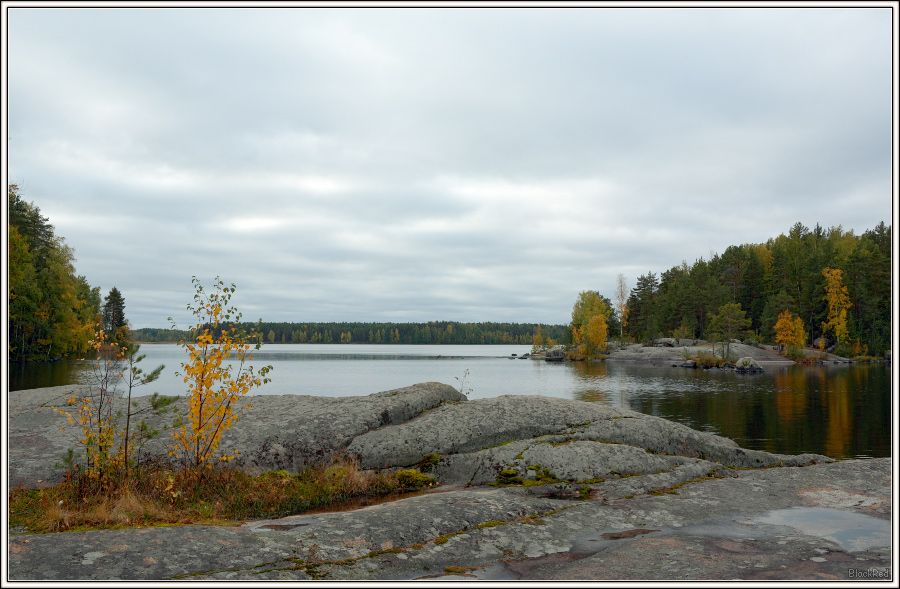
532 488
670 350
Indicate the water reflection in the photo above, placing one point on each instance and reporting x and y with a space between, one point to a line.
592 384
853 531
841 411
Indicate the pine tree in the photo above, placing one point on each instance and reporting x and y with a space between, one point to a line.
729 322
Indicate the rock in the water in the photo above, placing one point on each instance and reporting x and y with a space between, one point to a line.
747 364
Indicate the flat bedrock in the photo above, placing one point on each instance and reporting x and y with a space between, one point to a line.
720 528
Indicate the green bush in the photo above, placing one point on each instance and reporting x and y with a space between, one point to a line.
413 479
428 461
510 476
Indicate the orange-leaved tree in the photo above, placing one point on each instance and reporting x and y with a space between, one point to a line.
589 324
217 374
790 334
595 333
838 301
537 342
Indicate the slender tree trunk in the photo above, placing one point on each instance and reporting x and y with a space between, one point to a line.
128 422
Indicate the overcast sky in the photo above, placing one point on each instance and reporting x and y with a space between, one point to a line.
438 164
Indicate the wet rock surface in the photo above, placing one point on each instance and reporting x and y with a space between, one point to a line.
598 493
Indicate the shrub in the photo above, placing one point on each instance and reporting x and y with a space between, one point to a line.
411 479
707 360
428 461
509 476
213 387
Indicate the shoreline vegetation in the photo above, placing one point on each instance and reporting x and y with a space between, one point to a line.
110 482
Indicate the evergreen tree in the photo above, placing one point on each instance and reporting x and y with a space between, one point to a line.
114 313
728 323
775 305
642 321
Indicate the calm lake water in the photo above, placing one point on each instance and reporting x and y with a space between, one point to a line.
838 410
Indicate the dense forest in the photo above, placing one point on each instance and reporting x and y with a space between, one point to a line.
788 272
432 332
52 311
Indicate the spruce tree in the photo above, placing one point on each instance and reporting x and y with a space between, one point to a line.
114 312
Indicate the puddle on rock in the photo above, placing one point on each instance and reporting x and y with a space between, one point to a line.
855 532
285 524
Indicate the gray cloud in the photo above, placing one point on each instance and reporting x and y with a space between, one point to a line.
418 164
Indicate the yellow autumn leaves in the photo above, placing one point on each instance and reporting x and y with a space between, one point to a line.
217 375
96 416
789 330
589 325
838 301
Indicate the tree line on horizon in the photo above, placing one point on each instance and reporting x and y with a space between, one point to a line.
431 332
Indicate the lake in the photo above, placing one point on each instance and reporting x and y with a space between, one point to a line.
842 411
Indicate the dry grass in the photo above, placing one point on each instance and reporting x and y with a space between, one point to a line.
158 496
57 510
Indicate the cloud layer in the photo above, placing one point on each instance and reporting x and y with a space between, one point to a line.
423 164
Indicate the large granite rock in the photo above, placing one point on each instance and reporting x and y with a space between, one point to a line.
273 432
573 442
567 441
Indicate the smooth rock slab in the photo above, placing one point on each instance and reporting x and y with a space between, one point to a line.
671 505
475 439
718 529
479 439
273 432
